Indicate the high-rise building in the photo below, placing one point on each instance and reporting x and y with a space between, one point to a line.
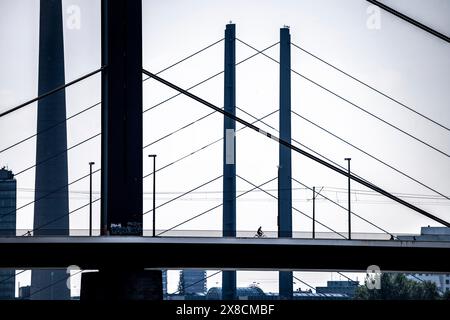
193 282
52 205
8 195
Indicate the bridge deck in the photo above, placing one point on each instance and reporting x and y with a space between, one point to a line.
224 253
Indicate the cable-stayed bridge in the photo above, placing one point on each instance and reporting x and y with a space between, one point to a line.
122 175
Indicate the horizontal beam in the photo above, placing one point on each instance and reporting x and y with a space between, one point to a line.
223 253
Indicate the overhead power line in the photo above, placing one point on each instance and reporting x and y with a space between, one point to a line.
58 154
47 194
293 208
311 188
346 209
298 150
54 283
203 148
179 129
372 88
58 218
185 193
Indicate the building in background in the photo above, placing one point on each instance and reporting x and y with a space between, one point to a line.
192 282
24 293
344 288
8 200
442 281
243 293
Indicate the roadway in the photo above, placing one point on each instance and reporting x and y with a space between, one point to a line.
224 253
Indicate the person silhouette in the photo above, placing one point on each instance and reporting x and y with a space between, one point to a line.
259 233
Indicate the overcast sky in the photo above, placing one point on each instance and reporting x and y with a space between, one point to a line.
396 58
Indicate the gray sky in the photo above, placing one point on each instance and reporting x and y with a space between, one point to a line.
398 58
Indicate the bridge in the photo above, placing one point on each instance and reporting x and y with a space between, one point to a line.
121 243
224 253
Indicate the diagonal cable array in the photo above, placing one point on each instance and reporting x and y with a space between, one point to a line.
342 207
179 129
372 88
184 194
199 281
202 148
354 104
162 138
298 150
208 78
298 142
68 118
212 208
306 284
60 217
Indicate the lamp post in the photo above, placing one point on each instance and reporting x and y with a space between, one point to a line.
349 201
314 214
90 197
154 193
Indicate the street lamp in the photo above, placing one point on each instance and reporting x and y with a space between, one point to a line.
349 201
154 193
90 197
314 214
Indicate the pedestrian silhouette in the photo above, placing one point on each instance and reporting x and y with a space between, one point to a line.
259 233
